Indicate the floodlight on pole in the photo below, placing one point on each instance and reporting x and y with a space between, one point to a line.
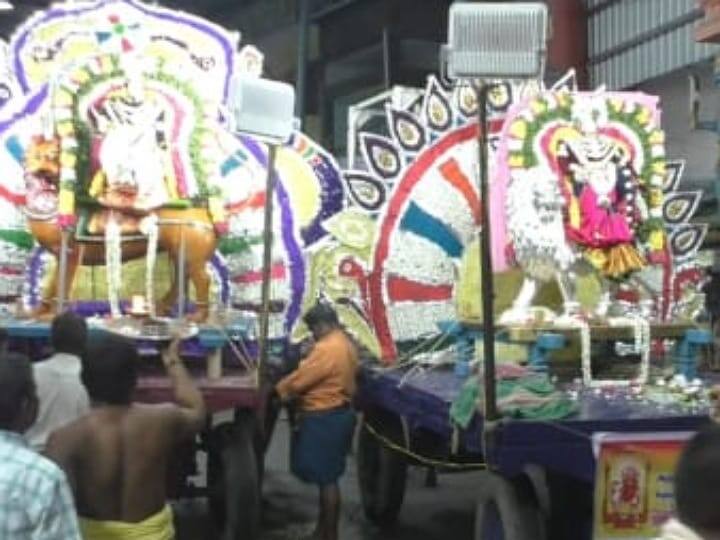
497 41
489 42
263 109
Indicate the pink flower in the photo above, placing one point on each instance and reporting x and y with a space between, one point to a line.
222 228
66 221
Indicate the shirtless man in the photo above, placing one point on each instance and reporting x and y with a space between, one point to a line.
116 457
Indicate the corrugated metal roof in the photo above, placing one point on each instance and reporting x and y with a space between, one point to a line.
651 59
634 40
628 20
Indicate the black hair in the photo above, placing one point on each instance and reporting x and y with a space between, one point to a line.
321 313
109 370
69 333
16 387
697 478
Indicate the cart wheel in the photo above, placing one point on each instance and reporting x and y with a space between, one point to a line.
382 474
507 510
234 480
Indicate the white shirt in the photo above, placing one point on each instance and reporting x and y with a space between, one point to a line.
674 530
62 396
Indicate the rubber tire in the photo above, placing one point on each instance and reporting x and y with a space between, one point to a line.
234 481
512 504
382 475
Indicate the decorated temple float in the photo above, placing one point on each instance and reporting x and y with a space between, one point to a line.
599 308
127 195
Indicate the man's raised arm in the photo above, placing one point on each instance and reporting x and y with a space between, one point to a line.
192 412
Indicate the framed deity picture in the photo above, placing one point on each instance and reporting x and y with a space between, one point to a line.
634 492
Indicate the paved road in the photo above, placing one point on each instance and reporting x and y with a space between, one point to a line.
438 513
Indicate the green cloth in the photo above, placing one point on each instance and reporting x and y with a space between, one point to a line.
532 397
464 406
539 385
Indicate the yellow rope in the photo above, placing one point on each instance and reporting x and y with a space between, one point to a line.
422 459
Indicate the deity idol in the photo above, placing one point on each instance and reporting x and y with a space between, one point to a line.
602 192
135 165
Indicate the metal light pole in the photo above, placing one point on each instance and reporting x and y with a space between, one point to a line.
487 284
267 257
263 109
489 42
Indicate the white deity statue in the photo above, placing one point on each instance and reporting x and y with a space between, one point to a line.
134 156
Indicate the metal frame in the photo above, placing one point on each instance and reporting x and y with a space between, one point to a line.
62 297
267 258
369 106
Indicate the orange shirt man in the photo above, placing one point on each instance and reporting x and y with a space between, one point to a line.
324 385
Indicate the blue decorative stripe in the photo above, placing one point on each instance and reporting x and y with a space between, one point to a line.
419 222
232 162
103 36
12 144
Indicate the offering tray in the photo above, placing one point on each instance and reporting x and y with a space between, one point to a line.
150 328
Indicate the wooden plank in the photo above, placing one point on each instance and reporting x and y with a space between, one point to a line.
222 394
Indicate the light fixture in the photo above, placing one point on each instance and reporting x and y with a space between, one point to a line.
6 6
502 41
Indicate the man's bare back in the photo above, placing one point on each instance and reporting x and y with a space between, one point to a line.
116 456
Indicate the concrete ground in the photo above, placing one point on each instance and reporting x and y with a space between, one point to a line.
437 513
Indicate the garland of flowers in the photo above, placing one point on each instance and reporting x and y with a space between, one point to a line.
585 350
202 151
558 107
35 270
113 264
200 137
150 229
541 111
641 336
75 136
639 119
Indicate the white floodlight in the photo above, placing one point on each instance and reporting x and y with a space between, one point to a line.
496 41
262 108
6 6
489 42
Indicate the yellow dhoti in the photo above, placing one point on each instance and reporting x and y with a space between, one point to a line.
157 527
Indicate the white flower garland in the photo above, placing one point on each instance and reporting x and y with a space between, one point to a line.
573 320
149 227
642 339
583 329
113 263
641 335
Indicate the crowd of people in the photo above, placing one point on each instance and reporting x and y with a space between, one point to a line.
79 459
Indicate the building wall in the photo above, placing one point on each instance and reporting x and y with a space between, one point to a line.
568 46
631 41
698 148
